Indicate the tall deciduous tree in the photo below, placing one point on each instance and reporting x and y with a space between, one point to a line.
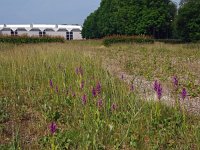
90 30
188 21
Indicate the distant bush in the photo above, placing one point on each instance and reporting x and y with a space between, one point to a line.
27 39
126 39
171 41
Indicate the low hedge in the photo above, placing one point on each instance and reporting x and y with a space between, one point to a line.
32 39
171 41
107 41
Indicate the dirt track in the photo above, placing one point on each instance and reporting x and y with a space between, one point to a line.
145 88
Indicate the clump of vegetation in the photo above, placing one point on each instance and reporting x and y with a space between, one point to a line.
171 41
59 97
27 39
126 39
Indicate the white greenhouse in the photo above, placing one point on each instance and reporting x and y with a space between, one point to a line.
69 32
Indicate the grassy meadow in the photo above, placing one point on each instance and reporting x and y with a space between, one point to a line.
64 96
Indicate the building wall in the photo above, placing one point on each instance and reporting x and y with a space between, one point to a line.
33 33
77 35
51 33
59 33
6 32
23 33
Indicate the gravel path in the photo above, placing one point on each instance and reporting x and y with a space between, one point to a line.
192 105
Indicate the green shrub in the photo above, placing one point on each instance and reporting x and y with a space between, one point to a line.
107 41
27 39
171 41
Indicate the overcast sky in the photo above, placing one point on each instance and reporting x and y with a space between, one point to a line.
47 11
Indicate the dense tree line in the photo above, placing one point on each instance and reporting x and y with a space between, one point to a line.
156 18
188 20
131 17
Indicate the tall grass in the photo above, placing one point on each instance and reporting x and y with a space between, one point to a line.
45 84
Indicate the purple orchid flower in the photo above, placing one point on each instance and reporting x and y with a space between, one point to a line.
94 92
175 82
122 76
98 88
132 88
100 103
79 71
82 85
155 85
183 93
51 83
57 89
73 94
158 89
113 107
84 99
53 127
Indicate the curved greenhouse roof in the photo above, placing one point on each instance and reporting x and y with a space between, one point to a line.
41 27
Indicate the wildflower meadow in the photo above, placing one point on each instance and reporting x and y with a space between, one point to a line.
61 96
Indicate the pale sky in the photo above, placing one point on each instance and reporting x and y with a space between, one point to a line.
47 11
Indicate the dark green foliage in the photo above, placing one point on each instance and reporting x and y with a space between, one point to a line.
89 29
131 17
127 39
182 2
170 41
188 21
26 39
